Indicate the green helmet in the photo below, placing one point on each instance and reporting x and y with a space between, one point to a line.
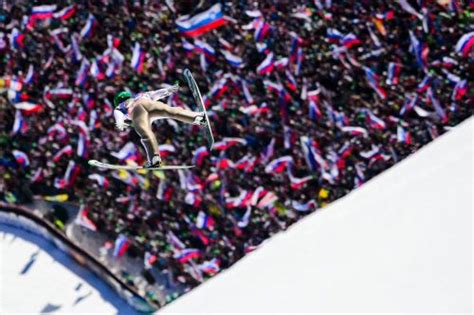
121 96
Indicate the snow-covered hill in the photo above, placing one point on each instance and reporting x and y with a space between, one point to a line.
401 243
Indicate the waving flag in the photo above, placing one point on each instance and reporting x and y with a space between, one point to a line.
333 35
262 29
248 96
465 44
128 152
19 125
82 219
121 245
303 207
60 93
355 131
101 180
373 81
149 260
17 39
65 13
187 255
205 49
138 58
295 42
268 200
83 73
350 40
460 89
199 155
246 163
420 50
267 65
278 165
28 108
41 12
88 30
67 150
228 142
403 136
374 121
82 144
232 59
410 103
21 158
312 157
393 73
166 150
244 221
297 183
201 23
210 267
425 84
204 221
437 106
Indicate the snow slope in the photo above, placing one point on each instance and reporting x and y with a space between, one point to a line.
36 277
401 243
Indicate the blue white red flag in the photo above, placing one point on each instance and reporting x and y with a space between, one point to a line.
28 108
166 150
205 49
138 58
128 152
460 89
232 59
102 181
16 39
355 131
374 121
465 44
121 245
66 13
420 50
262 29
303 207
393 73
67 150
204 221
437 105
278 165
267 65
187 254
409 104
199 155
228 142
88 30
83 219
19 125
210 267
424 84
373 81
21 158
201 23
350 40
403 135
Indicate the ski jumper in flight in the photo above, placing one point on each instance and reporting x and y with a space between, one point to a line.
139 111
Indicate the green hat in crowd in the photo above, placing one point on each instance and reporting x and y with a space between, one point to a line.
121 97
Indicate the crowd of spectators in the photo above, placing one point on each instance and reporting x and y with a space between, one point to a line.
351 88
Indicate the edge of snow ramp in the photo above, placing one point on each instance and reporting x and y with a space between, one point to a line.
26 219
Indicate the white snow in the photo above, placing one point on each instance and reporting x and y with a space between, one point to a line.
52 278
401 243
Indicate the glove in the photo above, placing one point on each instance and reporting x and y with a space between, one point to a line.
120 127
